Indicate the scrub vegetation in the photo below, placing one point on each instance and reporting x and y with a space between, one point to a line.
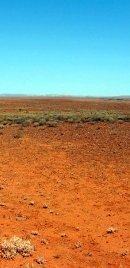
52 118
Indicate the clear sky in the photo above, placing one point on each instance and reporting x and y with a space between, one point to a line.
66 47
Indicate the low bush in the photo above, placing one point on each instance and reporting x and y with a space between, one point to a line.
52 118
9 248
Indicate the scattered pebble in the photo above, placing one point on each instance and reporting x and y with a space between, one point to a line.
77 228
63 235
35 232
57 256
2 205
111 230
78 244
125 253
89 254
40 260
21 218
57 213
19 214
108 215
45 206
32 203
41 194
51 211
44 241
25 198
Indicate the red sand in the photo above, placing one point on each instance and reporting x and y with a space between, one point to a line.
82 172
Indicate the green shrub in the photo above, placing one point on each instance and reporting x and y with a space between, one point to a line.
52 118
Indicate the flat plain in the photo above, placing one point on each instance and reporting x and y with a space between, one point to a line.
65 187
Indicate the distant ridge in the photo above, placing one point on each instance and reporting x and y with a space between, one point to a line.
13 95
123 97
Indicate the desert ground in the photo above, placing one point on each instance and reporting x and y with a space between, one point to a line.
66 188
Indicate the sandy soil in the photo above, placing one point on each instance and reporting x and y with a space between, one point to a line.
14 105
78 177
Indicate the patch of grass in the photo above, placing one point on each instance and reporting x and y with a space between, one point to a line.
9 248
52 118
42 121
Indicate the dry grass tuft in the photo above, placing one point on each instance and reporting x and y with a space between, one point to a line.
9 248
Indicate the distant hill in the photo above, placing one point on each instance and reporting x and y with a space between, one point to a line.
123 98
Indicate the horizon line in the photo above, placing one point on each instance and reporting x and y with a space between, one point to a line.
62 96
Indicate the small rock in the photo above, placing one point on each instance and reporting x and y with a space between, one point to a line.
51 211
89 254
44 241
57 213
57 256
78 244
111 230
32 203
20 218
125 253
40 260
45 206
108 215
77 228
34 232
63 235
1 187
41 194
19 214
25 198
2 205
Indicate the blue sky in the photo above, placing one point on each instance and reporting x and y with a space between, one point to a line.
65 47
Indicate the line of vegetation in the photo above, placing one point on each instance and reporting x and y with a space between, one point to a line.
52 118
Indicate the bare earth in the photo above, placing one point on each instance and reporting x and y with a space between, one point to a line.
63 187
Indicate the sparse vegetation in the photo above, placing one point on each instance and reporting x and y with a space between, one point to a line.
9 248
52 118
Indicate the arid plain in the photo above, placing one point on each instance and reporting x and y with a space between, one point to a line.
65 187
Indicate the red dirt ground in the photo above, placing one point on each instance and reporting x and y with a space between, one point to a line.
82 173
43 104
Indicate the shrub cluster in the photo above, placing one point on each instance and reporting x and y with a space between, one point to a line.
9 248
52 118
